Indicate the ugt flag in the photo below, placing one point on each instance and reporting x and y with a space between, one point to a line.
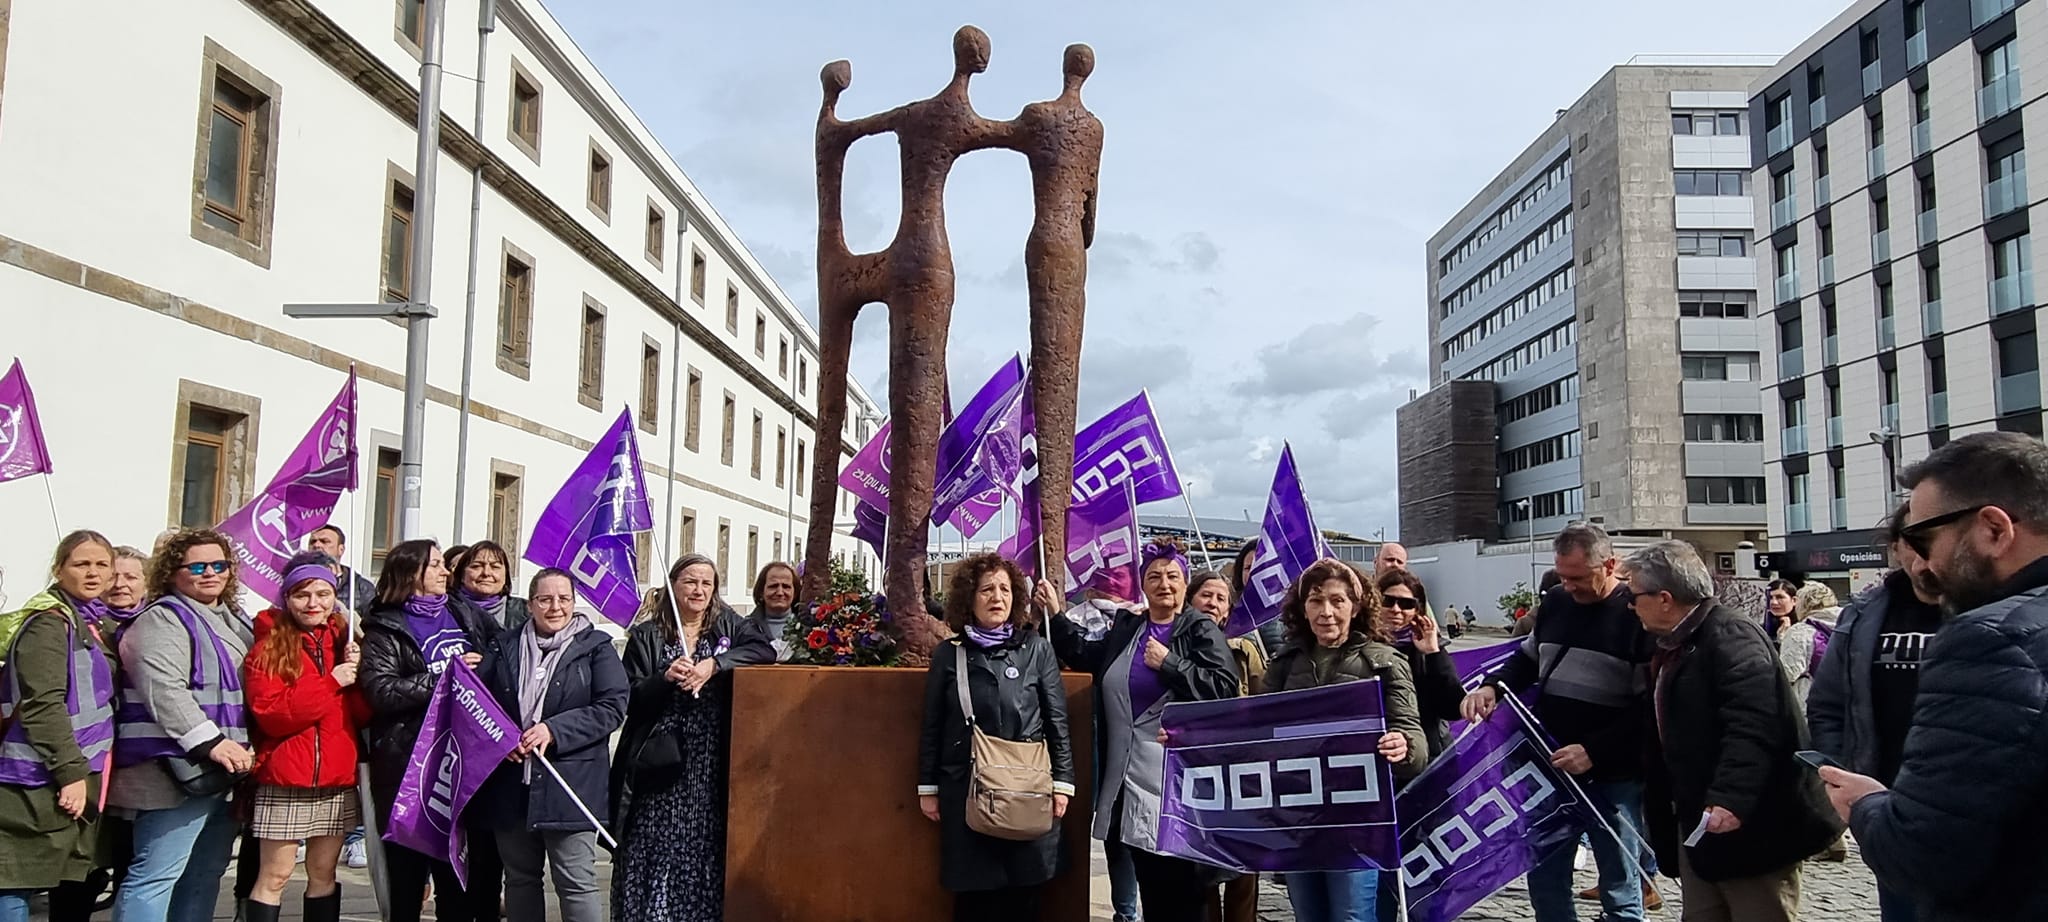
463 738
1289 543
1102 546
1125 444
966 491
1021 548
22 450
1485 812
1290 781
299 499
587 529
867 475
871 525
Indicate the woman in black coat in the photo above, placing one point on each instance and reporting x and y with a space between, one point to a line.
668 781
1439 690
563 682
1013 681
409 636
1168 652
482 574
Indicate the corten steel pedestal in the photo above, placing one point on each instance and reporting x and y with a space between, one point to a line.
823 823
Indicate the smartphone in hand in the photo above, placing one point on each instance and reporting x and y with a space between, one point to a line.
1816 759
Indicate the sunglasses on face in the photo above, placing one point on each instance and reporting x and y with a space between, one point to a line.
1404 604
212 566
1920 535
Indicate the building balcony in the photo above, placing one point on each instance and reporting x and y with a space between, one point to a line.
2019 393
1788 288
1791 364
2006 193
1840 522
1923 138
1916 49
1827 270
1983 11
2011 293
1873 78
1784 212
1929 228
1817 113
1793 440
1835 432
1822 192
1888 416
1998 96
1937 410
1779 140
1798 517
1875 160
1930 317
1887 334
1830 351
1881 247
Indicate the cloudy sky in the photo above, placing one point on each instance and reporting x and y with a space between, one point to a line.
1270 176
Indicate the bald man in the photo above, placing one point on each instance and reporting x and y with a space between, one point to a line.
1393 556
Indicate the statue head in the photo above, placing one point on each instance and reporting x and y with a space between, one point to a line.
1078 64
835 77
970 51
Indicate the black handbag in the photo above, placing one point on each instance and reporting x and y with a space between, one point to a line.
199 777
660 762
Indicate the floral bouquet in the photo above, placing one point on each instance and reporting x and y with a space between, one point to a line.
846 629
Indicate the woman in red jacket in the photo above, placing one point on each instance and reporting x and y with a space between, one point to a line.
300 672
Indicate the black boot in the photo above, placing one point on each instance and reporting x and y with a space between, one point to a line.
253 911
324 908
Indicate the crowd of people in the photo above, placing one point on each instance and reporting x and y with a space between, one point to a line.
150 723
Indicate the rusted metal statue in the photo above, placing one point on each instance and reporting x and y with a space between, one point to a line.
913 276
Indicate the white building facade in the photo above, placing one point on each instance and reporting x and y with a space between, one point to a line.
182 171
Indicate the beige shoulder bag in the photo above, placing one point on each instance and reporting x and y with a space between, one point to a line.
1009 784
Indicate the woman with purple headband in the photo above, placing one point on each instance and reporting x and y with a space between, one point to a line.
1167 652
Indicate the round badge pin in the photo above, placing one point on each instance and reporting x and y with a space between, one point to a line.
1010 673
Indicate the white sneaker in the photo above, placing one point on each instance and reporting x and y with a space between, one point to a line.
355 855
300 858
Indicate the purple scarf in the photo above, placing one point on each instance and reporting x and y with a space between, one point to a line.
435 629
989 638
90 612
493 605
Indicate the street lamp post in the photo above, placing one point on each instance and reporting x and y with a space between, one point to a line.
1528 504
1887 441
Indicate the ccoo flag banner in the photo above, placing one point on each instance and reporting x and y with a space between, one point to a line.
1485 812
23 453
588 528
1478 664
299 499
1289 543
1125 444
966 492
464 737
1290 781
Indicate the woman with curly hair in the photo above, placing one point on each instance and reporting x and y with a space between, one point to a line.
1334 636
1013 683
1806 637
182 732
1167 652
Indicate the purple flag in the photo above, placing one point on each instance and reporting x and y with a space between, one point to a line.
1125 444
964 491
1476 664
871 525
1102 546
867 475
1290 781
1485 812
23 453
1022 547
463 738
1288 543
587 529
299 499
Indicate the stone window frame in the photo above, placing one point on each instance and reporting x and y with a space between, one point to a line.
516 358
529 146
254 241
723 550
732 310
599 180
508 538
589 365
754 456
398 24
700 275
396 176
650 385
239 454
729 412
693 409
655 247
781 456
6 25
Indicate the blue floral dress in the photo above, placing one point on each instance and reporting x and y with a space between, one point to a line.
671 866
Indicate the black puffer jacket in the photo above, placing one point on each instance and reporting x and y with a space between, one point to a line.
398 686
1730 726
1017 695
1960 830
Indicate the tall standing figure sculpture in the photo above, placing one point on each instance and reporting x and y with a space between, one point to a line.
913 276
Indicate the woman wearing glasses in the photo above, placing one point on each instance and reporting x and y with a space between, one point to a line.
181 733
1439 690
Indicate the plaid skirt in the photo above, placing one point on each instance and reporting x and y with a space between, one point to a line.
290 814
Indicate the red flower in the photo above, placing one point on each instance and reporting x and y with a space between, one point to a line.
816 638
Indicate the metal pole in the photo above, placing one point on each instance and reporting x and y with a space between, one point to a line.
1532 544
426 162
1193 522
675 406
486 22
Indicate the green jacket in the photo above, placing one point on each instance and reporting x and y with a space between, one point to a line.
1357 659
41 845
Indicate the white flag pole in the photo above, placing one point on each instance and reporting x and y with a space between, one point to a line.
52 497
1193 523
578 801
1634 843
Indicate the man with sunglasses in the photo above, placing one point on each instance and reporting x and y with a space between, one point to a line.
1958 831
